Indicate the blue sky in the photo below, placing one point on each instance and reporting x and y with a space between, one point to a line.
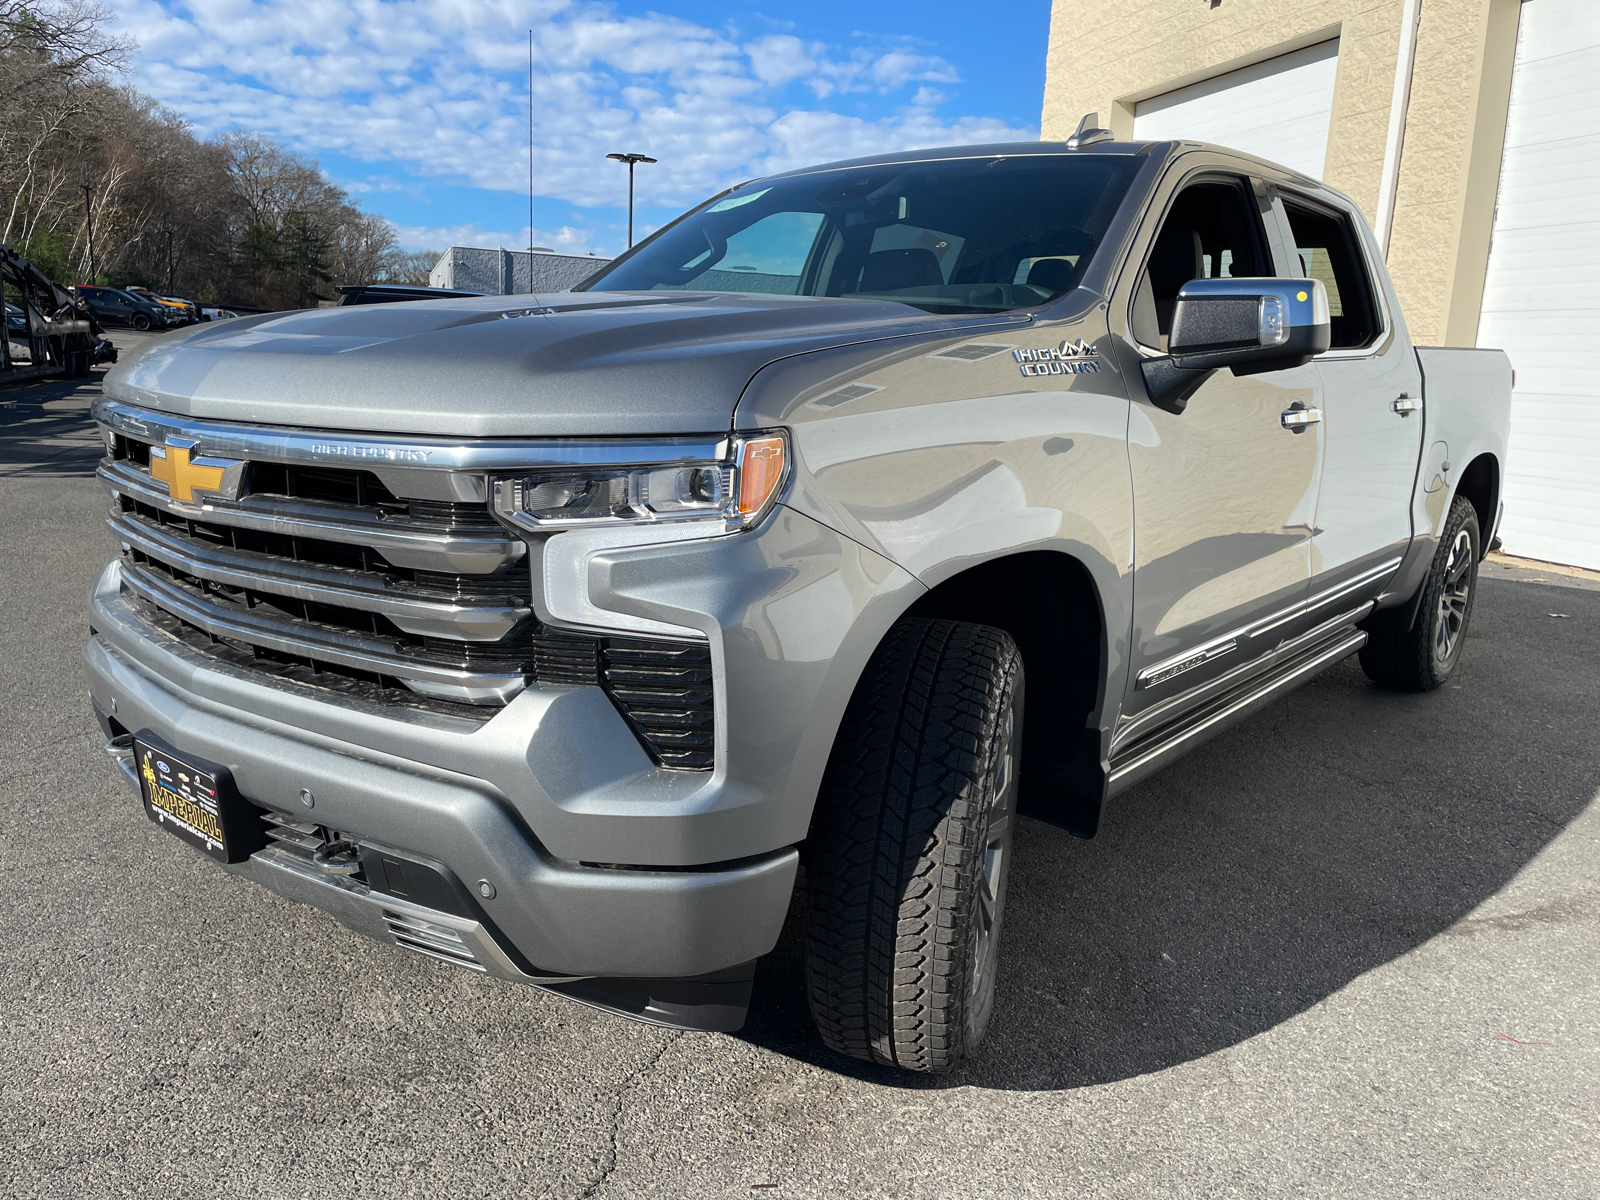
419 107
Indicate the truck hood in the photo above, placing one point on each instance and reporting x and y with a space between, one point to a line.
568 365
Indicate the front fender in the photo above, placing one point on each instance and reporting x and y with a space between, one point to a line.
940 454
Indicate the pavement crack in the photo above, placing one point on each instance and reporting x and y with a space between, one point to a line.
608 1164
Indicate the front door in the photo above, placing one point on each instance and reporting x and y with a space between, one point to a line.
1224 495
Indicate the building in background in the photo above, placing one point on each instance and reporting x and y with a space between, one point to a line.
511 272
1468 131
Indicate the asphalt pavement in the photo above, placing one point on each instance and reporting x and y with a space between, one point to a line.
1346 950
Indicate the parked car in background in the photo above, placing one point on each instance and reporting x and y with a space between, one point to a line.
390 293
16 323
185 312
208 313
114 306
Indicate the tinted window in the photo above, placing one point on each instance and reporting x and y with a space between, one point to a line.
1212 231
1329 252
968 235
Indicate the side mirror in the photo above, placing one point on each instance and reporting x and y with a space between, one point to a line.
1249 325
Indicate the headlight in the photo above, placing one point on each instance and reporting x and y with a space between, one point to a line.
734 491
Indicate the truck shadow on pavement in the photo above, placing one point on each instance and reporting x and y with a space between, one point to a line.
45 429
1327 836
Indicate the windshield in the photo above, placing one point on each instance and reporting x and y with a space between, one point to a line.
961 235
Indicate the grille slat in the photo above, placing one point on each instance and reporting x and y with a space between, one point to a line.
295 636
475 550
413 610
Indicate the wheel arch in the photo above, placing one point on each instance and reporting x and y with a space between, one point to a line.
1480 485
1049 603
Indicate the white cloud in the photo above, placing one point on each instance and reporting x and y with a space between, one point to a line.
439 88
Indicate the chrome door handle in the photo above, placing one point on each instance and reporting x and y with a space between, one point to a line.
1296 420
1405 405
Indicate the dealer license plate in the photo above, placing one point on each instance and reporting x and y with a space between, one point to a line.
191 798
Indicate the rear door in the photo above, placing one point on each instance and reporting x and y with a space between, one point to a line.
1373 422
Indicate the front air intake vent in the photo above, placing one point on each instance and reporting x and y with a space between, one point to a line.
663 688
561 659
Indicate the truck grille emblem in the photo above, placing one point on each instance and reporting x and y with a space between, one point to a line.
184 473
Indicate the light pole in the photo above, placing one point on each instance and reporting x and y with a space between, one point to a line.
631 159
88 212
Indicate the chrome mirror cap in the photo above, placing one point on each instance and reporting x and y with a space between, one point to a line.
1249 325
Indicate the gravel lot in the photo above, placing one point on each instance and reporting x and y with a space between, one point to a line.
1347 950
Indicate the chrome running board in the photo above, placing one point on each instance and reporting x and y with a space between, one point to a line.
1156 749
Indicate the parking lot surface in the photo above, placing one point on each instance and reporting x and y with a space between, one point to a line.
1346 950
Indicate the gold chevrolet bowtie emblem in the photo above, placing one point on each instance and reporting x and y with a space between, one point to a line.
183 475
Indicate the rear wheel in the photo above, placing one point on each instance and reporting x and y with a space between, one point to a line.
1421 658
911 845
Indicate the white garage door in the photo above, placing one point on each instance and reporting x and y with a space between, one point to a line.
1278 109
1541 302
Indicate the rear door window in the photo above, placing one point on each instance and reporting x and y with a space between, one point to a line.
1330 252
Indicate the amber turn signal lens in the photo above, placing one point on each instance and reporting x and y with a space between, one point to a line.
761 463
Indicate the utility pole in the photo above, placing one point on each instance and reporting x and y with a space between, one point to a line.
530 160
631 160
88 212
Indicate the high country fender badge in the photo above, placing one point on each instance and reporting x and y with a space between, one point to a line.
1069 358
185 473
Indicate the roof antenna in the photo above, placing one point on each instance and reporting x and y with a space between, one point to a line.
1089 132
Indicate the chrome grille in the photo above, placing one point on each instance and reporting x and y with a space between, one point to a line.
325 576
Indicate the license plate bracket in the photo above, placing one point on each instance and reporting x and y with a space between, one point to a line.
195 800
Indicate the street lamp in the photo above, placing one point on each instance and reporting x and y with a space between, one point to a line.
631 159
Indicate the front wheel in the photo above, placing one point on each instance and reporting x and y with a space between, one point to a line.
910 847
1421 658
141 322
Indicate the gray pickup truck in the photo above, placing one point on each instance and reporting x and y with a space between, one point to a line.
569 638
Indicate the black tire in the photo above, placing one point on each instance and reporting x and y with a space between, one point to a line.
1422 657
910 847
141 322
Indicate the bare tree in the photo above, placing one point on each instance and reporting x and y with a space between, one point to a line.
410 266
238 219
53 55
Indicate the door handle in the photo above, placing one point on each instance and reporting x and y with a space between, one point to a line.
1405 405
1297 420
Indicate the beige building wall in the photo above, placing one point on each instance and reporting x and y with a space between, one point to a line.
1107 55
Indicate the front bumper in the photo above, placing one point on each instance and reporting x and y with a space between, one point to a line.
563 919
712 1001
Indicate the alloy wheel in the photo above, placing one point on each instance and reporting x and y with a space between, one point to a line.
1451 619
1001 791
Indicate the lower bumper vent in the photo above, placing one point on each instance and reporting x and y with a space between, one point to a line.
430 940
